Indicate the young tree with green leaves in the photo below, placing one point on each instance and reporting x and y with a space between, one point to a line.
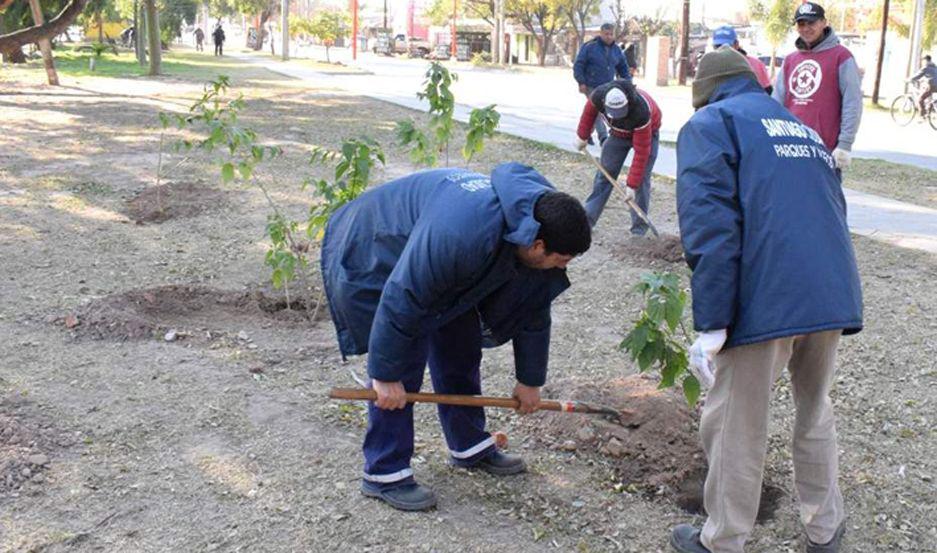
173 15
580 12
659 338
328 26
541 18
777 18
425 148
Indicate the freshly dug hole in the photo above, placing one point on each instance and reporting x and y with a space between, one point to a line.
654 447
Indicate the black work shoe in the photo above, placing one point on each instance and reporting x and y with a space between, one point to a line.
500 464
831 546
407 497
685 539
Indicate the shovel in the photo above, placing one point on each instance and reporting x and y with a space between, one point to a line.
630 201
478 401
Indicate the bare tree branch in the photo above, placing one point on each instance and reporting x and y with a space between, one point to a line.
49 29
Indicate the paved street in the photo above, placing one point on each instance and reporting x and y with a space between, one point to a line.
544 105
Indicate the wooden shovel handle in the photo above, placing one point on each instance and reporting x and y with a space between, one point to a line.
451 399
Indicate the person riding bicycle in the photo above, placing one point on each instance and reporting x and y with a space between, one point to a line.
928 72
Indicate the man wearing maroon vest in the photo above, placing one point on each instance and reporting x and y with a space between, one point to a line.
820 83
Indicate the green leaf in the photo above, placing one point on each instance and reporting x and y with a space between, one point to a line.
673 311
649 355
246 169
655 310
227 172
691 390
636 340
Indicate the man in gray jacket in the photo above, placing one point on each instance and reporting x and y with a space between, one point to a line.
820 83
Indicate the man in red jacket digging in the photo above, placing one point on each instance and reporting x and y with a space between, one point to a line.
633 119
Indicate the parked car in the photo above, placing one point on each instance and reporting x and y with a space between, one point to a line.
778 60
383 44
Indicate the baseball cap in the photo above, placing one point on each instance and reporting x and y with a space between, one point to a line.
616 103
724 35
808 11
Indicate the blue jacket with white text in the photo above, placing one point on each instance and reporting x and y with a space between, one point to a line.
411 255
763 221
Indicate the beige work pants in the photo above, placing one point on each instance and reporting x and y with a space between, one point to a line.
734 430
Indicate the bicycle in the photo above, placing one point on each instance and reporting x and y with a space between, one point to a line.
905 107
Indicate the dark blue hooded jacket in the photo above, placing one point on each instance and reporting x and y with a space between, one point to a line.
763 221
415 253
597 63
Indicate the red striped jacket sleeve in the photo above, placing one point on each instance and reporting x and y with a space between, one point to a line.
641 139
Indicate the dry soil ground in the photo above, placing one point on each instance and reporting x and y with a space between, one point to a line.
114 439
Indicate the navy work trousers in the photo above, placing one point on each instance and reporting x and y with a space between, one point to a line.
454 354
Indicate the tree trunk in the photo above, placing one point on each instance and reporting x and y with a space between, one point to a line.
44 45
327 54
152 28
139 33
541 51
100 21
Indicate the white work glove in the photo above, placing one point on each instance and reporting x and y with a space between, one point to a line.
629 193
580 144
841 158
703 352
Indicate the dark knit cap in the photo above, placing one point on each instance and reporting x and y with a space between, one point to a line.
715 68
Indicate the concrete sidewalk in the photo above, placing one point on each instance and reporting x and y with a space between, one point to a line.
891 221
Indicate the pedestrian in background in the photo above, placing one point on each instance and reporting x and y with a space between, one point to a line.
599 61
218 37
199 39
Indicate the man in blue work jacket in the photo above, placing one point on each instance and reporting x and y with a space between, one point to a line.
775 284
598 62
432 267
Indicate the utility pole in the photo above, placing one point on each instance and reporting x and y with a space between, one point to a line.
45 45
881 54
452 45
354 29
917 30
285 29
385 15
684 44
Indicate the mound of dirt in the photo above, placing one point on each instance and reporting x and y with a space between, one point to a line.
154 312
654 447
157 204
666 248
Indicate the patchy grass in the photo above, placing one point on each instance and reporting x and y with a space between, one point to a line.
893 180
328 68
177 64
